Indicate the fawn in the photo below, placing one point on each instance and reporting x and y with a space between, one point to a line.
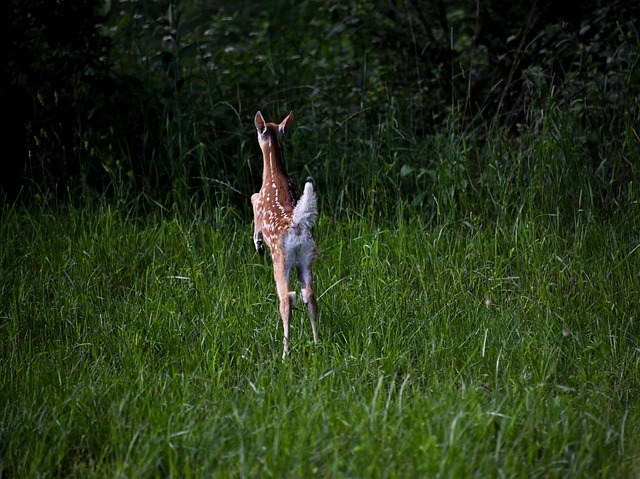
284 220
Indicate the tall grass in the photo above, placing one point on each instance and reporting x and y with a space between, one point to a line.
479 317
478 285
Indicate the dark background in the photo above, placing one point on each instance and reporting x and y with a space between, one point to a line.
121 99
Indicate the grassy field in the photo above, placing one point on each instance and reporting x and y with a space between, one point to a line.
477 166
148 345
478 173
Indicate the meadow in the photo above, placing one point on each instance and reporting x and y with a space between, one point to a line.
477 169
493 338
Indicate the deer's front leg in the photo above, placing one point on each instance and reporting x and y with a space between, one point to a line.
258 241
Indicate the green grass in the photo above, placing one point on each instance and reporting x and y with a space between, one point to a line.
478 282
149 345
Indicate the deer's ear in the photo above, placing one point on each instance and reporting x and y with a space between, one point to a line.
286 124
261 125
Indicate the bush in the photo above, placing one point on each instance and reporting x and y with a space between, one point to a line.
161 97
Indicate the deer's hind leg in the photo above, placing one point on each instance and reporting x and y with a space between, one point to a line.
309 299
287 298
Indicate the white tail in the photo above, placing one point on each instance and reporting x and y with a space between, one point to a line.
306 210
284 220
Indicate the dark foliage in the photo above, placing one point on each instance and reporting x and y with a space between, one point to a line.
157 98
52 83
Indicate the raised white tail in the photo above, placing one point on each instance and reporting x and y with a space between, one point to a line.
284 220
306 210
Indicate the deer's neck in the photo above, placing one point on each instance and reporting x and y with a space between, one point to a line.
273 161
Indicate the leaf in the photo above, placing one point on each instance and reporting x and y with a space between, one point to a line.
406 170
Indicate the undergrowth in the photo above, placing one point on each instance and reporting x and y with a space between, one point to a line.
473 323
478 232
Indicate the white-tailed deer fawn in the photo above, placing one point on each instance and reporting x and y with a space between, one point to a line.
283 219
